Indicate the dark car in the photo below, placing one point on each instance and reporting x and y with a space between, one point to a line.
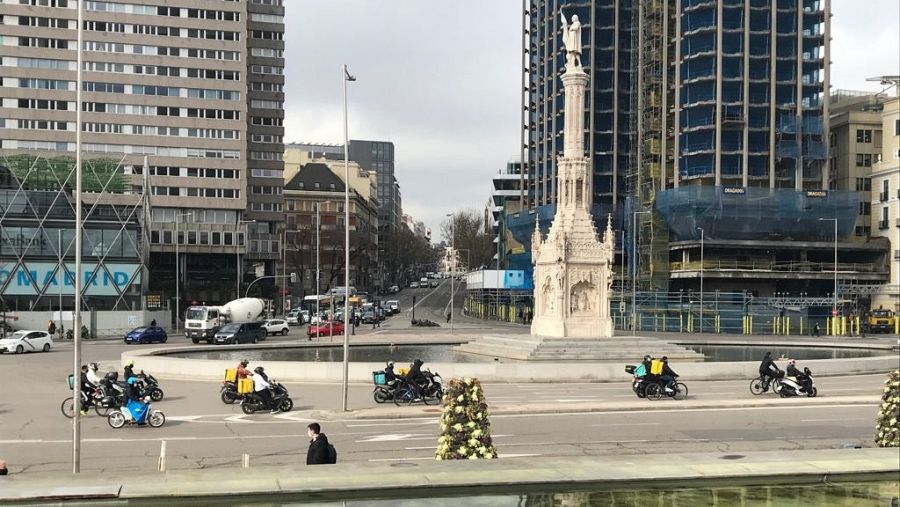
147 334
248 332
368 317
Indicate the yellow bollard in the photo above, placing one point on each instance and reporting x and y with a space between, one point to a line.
827 326
843 326
857 326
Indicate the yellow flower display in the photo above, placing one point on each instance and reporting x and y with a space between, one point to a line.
465 423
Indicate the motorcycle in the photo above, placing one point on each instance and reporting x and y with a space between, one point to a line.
654 389
252 402
793 386
151 386
433 388
384 388
125 415
228 393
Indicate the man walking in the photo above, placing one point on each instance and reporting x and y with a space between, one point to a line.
318 453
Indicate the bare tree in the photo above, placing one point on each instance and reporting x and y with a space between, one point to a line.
466 230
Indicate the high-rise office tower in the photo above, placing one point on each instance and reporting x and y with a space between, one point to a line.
196 86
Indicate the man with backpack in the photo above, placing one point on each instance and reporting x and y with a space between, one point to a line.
320 451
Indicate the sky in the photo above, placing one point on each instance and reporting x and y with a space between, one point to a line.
441 80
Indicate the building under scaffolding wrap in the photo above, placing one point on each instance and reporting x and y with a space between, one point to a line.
37 232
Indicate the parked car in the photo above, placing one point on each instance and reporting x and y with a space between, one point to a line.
368 317
293 318
414 285
248 332
148 334
326 329
393 307
423 282
27 341
276 326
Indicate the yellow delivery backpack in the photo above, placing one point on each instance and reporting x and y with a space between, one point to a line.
245 386
656 367
230 375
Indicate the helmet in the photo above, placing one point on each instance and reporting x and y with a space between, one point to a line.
245 362
130 362
93 366
647 357
390 364
792 361
665 358
259 369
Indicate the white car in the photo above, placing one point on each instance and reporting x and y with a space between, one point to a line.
276 326
27 341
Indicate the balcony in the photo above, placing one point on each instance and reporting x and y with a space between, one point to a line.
883 224
882 196
897 223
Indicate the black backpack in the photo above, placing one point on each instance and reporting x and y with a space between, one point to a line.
332 455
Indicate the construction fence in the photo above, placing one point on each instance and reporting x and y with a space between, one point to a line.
691 312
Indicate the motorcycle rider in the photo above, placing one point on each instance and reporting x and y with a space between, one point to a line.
802 379
389 375
92 374
768 370
129 370
668 375
87 390
261 388
135 400
242 371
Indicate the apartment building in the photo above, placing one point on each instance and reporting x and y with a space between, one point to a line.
188 93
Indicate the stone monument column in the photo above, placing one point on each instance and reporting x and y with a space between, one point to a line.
572 267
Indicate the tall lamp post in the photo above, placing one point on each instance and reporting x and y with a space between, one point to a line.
76 324
834 305
178 269
634 235
701 276
347 77
237 256
453 253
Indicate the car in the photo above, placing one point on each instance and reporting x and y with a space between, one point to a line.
248 332
328 328
394 289
423 282
276 326
27 341
368 317
433 283
293 318
379 311
146 334
414 285
393 307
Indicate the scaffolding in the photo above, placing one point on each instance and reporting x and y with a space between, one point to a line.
649 173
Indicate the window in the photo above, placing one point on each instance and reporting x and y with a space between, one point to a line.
884 190
865 208
897 127
863 184
863 135
864 160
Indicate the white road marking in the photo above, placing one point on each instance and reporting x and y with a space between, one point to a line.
429 458
391 437
629 424
671 410
836 419
395 423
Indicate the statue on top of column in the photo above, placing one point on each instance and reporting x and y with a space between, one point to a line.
572 40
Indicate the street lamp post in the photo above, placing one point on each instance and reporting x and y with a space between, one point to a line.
76 320
178 269
347 77
702 234
237 256
634 234
834 306
452 272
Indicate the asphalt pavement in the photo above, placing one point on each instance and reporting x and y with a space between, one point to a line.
529 420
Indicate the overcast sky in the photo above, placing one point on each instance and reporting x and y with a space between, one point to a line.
441 81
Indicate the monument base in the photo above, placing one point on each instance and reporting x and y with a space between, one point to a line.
526 347
587 327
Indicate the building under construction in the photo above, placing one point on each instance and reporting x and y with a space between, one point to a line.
708 131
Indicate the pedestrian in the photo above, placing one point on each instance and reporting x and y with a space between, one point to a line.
520 316
153 323
3 469
816 329
51 327
318 446
449 316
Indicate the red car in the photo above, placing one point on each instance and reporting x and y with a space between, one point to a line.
325 329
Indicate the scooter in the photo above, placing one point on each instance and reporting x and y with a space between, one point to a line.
253 403
791 386
124 415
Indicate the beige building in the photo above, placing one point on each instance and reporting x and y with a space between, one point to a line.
886 200
855 147
196 86
362 181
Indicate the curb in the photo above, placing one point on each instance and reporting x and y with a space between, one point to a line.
418 411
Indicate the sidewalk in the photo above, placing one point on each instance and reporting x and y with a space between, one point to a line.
428 479
392 411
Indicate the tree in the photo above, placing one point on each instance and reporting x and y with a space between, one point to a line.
404 254
466 231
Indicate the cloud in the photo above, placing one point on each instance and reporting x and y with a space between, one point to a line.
865 42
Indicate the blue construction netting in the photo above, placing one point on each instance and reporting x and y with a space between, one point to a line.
758 213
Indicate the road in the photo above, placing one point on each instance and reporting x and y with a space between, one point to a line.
203 432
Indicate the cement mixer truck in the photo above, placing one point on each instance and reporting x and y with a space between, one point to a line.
202 322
